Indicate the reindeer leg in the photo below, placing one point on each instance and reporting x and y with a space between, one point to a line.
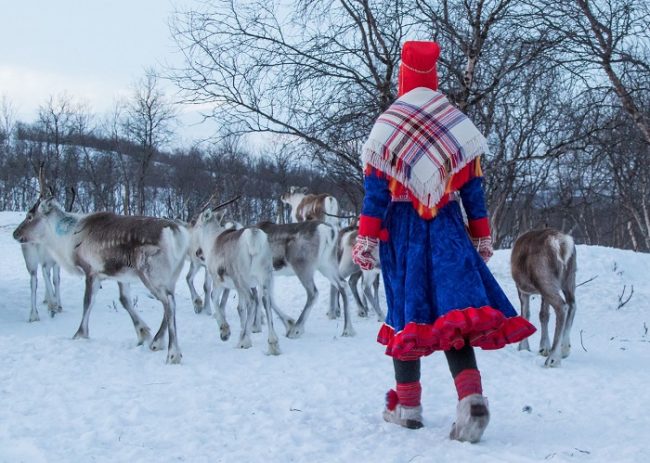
196 299
33 285
273 341
544 316
248 307
220 311
566 337
257 317
174 354
46 271
207 292
362 309
306 277
372 296
334 309
561 309
524 300
92 285
141 329
56 281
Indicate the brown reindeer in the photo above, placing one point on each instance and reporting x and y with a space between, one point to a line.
544 262
103 246
306 206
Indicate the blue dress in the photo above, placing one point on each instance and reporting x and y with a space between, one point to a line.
440 293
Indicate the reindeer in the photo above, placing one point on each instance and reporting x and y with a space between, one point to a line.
104 245
240 259
35 254
300 249
306 206
544 262
348 269
202 305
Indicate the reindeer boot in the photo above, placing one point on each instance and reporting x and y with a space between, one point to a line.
472 417
408 416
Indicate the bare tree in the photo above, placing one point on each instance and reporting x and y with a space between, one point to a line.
148 122
318 71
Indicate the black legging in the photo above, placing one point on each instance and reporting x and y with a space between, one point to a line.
458 360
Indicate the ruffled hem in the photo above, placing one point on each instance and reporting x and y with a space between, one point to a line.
484 327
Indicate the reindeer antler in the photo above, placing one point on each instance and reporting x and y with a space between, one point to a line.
206 204
73 194
222 205
41 179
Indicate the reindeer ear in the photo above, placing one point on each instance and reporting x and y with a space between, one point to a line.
304 190
219 216
206 215
47 205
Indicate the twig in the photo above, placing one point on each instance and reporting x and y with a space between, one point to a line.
582 451
622 302
583 346
342 216
587 281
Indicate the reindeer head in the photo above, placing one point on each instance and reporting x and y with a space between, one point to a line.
294 191
35 226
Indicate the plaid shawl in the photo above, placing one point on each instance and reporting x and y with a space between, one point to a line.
421 141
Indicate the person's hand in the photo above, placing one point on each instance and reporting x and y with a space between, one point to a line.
364 252
484 247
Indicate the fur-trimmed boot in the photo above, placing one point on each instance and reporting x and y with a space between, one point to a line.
409 417
472 417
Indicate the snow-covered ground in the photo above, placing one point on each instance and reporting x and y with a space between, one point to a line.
107 400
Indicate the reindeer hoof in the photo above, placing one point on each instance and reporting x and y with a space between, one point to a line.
198 305
552 362
80 335
244 344
274 348
224 332
566 350
348 332
544 351
144 335
34 318
59 308
523 346
294 332
174 358
363 313
157 344
331 315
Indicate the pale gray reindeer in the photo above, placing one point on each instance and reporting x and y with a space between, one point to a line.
301 249
544 262
305 206
349 270
104 245
240 259
34 255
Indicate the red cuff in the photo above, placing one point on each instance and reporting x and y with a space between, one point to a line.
369 226
479 228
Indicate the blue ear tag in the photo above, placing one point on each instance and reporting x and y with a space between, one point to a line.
64 225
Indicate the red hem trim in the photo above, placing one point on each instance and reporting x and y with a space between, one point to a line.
484 327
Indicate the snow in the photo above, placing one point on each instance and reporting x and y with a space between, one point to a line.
106 400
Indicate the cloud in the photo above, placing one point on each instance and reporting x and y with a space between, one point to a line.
29 88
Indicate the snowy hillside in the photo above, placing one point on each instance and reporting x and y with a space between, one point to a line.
106 400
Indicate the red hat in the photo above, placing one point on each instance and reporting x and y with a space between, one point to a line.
418 67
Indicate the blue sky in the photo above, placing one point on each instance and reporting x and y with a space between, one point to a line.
94 49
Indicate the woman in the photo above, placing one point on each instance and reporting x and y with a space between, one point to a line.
423 153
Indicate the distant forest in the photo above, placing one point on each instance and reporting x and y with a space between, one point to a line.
560 88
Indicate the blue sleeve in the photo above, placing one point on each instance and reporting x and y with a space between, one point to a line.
377 195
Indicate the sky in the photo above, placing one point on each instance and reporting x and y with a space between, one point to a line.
93 50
